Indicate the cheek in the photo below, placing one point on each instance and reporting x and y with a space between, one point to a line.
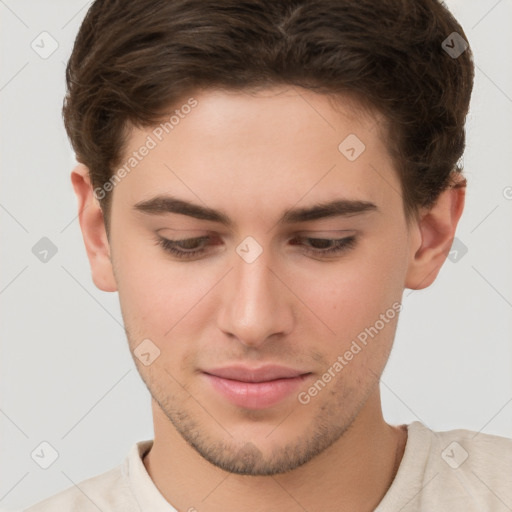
160 297
154 296
157 303
352 294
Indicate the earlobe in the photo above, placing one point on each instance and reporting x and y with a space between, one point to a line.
94 234
437 227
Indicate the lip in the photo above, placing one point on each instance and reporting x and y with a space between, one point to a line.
255 388
261 374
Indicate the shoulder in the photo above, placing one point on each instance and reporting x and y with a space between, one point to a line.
466 464
475 450
459 470
107 491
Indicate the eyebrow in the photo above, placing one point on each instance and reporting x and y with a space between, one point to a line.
160 205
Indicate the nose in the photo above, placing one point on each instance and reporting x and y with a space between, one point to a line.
255 302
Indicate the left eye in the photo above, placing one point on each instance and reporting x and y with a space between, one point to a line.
193 247
323 246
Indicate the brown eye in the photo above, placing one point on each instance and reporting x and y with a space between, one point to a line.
185 248
328 246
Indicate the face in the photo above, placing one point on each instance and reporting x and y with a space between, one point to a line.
265 276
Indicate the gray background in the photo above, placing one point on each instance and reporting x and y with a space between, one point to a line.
66 376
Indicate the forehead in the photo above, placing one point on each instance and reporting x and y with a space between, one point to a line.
260 151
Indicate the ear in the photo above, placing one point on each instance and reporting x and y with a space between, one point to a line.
437 230
93 230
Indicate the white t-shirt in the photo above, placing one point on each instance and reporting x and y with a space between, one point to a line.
454 471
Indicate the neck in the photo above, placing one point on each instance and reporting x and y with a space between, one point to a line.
354 473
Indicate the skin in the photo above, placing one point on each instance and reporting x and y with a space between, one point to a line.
253 156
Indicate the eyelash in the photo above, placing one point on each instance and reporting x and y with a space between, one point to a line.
340 245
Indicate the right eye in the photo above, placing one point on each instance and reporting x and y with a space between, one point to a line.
184 248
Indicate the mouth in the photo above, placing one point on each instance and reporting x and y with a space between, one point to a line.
255 388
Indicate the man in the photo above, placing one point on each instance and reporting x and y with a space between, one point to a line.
260 181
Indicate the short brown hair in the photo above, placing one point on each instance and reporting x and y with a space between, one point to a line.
133 59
